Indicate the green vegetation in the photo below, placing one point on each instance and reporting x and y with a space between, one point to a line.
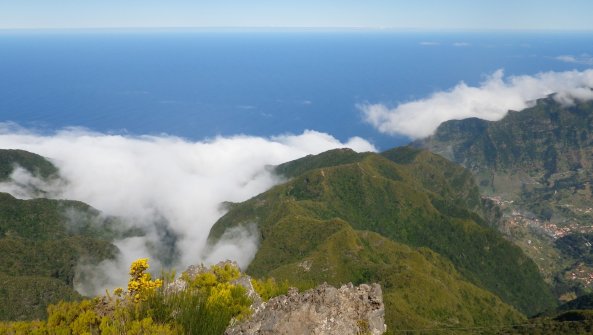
573 317
421 289
567 323
538 165
583 302
315 227
577 246
407 219
205 306
548 137
311 162
35 164
27 297
42 241
270 287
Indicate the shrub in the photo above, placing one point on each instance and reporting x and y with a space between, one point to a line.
210 301
270 288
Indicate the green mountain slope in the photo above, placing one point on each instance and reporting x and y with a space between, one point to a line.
407 196
40 238
41 243
421 288
584 302
567 323
35 164
536 164
27 297
574 317
548 137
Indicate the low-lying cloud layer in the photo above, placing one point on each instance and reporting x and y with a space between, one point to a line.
165 185
491 100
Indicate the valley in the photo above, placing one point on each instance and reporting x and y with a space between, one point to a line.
500 238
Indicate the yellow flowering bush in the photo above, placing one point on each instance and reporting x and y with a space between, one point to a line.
140 284
220 291
215 276
208 304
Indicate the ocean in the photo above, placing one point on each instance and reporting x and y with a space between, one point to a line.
199 84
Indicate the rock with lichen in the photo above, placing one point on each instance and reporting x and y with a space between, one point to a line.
323 310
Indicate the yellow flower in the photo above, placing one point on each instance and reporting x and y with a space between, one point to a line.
140 283
118 291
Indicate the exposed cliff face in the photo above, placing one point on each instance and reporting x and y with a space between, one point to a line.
539 142
348 310
537 165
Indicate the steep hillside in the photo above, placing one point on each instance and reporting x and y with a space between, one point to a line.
422 289
43 237
406 196
536 164
41 243
584 302
567 323
35 164
549 138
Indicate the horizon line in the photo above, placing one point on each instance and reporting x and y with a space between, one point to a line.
293 28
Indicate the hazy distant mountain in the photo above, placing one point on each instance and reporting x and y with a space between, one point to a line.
537 165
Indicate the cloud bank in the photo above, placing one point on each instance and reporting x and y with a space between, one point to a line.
168 186
491 100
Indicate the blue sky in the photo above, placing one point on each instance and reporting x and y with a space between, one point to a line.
399 14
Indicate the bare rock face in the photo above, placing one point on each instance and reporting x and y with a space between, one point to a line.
324 310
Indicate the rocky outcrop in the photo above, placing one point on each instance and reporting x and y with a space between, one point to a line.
324 310
257 303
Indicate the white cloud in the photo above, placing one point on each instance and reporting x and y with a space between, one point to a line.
461 44
429 43
150 180
242 242
491 100
584 59
567 59
23 184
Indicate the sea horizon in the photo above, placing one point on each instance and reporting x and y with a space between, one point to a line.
199 83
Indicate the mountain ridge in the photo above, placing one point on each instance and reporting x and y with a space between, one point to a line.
536 165
370 192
